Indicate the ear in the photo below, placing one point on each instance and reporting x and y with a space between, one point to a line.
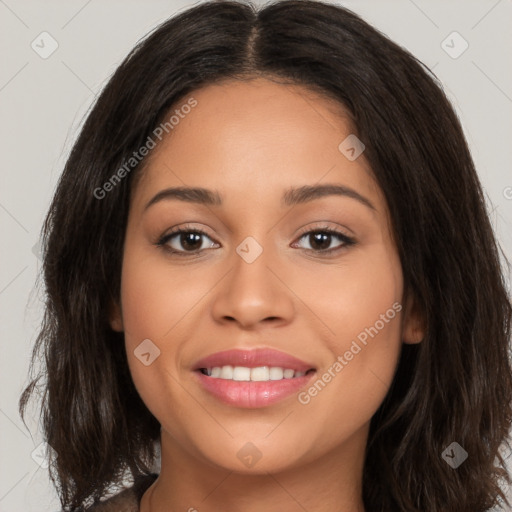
115 317
413 321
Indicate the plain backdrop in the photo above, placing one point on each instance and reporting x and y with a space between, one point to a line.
43 101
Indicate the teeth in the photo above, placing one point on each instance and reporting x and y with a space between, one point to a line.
260 373
240 373
288 374
226 372
276 373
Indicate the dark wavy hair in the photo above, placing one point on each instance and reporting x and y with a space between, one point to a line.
454 386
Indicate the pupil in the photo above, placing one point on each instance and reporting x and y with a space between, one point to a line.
188 239
321 240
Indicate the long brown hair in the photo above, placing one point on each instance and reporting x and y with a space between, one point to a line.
455 386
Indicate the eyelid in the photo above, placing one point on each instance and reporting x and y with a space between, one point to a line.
326 226
184 227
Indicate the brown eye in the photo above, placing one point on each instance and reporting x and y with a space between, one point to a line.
320 240
184 241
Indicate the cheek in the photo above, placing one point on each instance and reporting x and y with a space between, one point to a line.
160 303
348 297
154 306
359 304
157 300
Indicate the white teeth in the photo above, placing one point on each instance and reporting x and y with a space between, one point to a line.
276 373
260 373
288 374
227 372
241 373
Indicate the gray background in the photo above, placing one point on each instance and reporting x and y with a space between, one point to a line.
43 102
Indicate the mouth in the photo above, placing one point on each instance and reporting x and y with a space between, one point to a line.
259 364
252 378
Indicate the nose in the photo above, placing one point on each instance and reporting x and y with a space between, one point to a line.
254 293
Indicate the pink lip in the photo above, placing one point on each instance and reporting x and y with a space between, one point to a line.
252 395
252 359
249 394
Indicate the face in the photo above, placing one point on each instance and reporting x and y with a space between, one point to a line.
267 264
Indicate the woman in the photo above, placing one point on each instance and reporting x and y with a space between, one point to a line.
269 258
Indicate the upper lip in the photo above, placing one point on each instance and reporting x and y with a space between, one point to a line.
252 359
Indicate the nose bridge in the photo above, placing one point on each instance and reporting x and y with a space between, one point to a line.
251 266
251 279
251 292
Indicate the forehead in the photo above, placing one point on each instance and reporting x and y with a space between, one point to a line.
256 136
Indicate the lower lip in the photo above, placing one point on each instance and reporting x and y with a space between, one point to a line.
252 394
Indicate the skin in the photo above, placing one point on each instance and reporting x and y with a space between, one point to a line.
251 141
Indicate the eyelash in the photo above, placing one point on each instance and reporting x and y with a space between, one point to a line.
162 242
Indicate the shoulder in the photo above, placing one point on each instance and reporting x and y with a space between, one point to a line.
127 500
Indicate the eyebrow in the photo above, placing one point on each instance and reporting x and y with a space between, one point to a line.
291 196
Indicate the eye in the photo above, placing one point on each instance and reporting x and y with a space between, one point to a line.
184 241
320 240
